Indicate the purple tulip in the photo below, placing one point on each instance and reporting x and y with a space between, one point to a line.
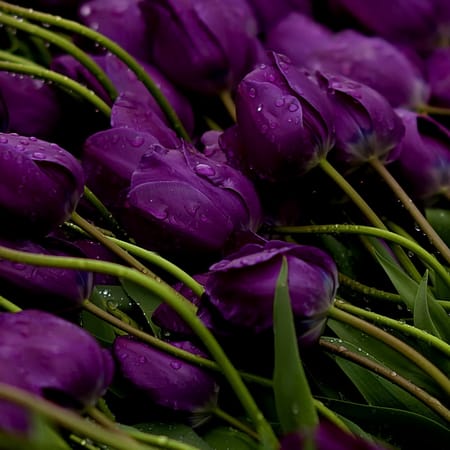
49 288
41 184
366 124
202 45
424 162
284 119
297 36
167 380
438 74
328 436
242 286
55 359
181 201
374 62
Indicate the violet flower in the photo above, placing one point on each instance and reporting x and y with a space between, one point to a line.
241 287
41 184
366 124
374 62
424 161
165 379
212 42
284 120
55 358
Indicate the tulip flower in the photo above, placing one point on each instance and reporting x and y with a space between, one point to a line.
41 184
49 288
424 161
284 120
438 75
181 201
55 358
366 124
241 287
165 379
374 62
212 42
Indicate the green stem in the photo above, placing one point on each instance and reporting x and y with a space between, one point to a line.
432 402
409 205
417 358
8 306
220 413
174 301
369 213
60 80
430 109
65 45
396 325
68 419
228 102
112 47
426 257
7 56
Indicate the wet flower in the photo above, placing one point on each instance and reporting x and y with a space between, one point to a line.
165 379
284 120
49 288
55 358
41 184
424 161
181 201
242 286
213 42
366 124
374 62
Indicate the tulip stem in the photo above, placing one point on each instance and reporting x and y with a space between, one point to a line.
220 413
65 45
409 205
228 102
112 47
426 257
8 306
6 56
369 213
430 109
68 419
60 80
396 325
343 352
401 347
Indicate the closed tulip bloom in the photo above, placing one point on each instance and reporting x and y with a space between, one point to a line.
212 42
165 379
374 62
55 358
181 201
49 288
366 124
41 184
284 120
242 286
424 161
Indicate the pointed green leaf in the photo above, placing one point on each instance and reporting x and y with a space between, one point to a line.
293 398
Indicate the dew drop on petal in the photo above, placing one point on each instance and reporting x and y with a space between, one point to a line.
204 169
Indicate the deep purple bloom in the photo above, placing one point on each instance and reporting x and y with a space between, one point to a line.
424 162
375 62
165 379
41 184
203 46
328 436
55 358
438 75
284 119
297 36
241 287
181 201
49 288
366 124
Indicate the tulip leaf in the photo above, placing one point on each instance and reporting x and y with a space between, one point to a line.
226 438
440 221
293 398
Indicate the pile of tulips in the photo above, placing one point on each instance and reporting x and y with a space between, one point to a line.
224 225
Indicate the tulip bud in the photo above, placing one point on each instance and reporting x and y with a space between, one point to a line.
312 279
167 380
41 184
284 119
55 359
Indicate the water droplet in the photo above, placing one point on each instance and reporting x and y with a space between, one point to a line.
19 147
175 365
137 141
259 108
204 169
264 128
112 305
38 155
85 10
3 140
279 102
293 107
19 266
142 359
252 92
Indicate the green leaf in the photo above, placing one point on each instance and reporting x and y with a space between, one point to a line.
429 315
440 221
226 438
293 398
